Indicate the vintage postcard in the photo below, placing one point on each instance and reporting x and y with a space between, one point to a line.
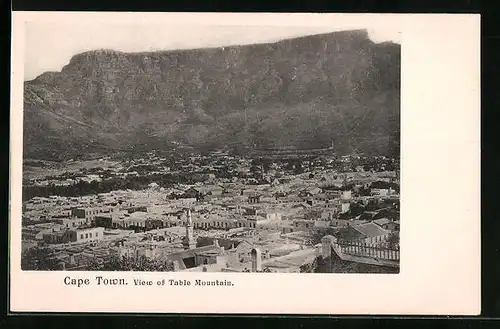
311 163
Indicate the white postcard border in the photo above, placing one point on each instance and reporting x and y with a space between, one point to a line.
440 191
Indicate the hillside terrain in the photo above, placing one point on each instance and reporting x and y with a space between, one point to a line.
307 92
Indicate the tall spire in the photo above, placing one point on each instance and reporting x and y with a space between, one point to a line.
190 242
189 218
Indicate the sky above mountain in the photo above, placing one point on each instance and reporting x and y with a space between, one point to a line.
48 47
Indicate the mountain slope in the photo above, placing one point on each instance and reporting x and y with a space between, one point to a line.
306 91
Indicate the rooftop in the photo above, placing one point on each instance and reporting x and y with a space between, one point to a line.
370 230
382 221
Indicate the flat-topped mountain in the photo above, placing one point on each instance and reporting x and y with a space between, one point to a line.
306 92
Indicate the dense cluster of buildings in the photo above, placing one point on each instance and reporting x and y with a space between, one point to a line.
257 220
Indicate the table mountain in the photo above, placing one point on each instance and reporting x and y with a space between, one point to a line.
306 92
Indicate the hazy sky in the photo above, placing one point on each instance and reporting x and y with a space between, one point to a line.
48 47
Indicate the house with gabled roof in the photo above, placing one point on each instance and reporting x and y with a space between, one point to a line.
368 233
211 254
385 223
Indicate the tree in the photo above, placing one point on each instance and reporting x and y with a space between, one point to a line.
393 240
308 267
141 264
37 259
318 234
265 270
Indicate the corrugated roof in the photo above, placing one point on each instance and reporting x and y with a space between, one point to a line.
382 221
370 230
191 253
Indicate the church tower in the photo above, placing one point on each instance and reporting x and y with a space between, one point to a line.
189 242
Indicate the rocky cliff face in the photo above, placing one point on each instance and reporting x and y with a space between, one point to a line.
306 92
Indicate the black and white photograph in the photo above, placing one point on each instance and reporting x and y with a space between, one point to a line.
215 149
156 157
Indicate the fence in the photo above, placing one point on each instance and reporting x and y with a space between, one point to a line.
362 249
